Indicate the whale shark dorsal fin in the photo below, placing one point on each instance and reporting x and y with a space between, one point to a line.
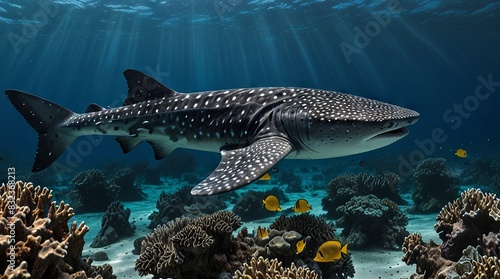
142 87
93 108
239 167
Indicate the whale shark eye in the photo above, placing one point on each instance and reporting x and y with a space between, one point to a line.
391 124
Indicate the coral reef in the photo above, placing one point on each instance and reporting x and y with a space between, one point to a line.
249 206
342 188
201 247
264 268
434 186
182 203
125 179
114 225
473 220
317 231
466 220
367 220
92 192
35 236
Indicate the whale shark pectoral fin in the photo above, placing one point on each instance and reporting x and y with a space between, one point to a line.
242 166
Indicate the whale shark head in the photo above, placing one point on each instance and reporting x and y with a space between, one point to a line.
329 124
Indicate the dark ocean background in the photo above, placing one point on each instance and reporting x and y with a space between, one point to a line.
424 55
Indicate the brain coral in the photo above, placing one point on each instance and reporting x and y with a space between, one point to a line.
191 248
34 234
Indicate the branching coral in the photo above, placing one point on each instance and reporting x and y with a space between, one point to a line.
34 234
343 188
192 248
368 220
264 268
434 185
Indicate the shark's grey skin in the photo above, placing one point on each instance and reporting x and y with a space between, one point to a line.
252 128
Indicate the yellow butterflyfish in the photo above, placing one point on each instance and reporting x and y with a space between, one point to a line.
272 203
302 206
330 251
262 232
461 153
266 176
300 246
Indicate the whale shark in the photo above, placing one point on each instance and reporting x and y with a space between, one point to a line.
252 128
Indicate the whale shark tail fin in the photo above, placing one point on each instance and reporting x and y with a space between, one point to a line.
46 118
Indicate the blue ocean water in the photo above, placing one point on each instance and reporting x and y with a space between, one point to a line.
425 55
439 58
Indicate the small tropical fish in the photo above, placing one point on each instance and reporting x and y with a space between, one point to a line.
275 170
266 176
262 232
330 251
300 246
461 153
361 163
272 203
302 206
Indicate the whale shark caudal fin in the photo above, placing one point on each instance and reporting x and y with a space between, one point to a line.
46 118
240 167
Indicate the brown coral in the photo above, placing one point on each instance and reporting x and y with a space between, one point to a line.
485 268
264 268
38 242
184 247
427 257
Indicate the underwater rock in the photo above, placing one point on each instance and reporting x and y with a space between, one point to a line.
45 247
193 248
278 244
100 256
129 190
114 225
434 186
182 203
265 268
343 188
249 206
92 193
137 245
367 220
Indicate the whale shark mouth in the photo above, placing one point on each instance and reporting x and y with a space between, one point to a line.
396 133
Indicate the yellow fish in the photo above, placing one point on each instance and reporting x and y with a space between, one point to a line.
266 176
300 246
272 203
461 153
330 251
262 232
302 206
